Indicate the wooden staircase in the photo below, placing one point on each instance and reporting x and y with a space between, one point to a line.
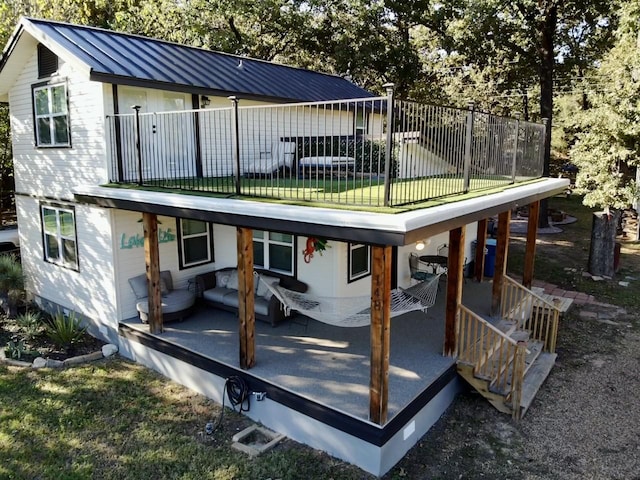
508 362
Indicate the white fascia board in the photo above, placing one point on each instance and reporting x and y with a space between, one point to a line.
442 213
387 222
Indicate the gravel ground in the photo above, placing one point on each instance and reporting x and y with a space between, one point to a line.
584 423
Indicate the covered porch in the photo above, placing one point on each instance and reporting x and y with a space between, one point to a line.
327 365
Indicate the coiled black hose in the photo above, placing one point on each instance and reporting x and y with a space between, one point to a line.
238 392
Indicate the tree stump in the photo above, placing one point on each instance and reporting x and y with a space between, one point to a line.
603 243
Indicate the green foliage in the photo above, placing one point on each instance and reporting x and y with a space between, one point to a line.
607 149
65 330
16 348
11 279
369 154
31 324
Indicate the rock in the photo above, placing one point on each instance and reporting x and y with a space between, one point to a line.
39 362
586 274
607 277
596 278
623 284
54 363
109 349
89 357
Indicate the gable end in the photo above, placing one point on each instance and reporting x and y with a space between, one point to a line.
47 62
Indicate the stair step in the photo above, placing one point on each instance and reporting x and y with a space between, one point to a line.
534 350
534 379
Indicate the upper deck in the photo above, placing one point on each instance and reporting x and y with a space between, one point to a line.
362 154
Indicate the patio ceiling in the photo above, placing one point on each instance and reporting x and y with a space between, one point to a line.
394 229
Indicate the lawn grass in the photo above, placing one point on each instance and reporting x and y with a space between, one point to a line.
344 194
117 420
558 255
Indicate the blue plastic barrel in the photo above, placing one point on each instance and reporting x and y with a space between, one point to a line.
490 259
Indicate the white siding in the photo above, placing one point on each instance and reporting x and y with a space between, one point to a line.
89 291
52 172
130 261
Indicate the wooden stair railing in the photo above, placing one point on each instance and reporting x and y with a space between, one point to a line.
532 313
491 361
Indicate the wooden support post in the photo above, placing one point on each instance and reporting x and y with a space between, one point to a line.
455 275
481 245
246 309
502 247
530 252
380 333
152 267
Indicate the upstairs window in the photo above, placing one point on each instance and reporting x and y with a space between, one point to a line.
47 62
195 244
51 115
273 251
59 232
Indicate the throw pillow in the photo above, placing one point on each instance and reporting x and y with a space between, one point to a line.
164 290
262 290
222 278
232 283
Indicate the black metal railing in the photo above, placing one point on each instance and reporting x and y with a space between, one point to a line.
370 151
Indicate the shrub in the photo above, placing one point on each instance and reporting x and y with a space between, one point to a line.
16 348
30 323
11 281
65 331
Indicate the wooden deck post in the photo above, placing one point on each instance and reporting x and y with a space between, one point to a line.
502 247
455 275
530 251
380 333
152 267
481 244
246 309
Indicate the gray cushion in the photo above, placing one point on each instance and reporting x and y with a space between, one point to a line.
174 301
222 278
165 276
233 280
217 294
261 289
231 299
261 306
139 284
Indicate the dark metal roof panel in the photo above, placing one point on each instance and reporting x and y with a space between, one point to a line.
120 55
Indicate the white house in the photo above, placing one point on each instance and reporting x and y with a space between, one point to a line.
251 181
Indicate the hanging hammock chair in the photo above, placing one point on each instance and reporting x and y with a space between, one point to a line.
355 311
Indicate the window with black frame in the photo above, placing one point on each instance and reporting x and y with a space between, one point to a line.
195 242
51 115
359 261
274 251
59 235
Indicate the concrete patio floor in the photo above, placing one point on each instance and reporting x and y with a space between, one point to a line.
327 364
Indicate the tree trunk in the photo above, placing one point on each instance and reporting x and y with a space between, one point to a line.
546 55
603 243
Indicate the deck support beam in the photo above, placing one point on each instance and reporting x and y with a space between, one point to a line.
530 251
502 246
152 268
455 275
481 245
380 333
246 308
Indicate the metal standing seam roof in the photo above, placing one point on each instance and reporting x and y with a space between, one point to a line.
131 59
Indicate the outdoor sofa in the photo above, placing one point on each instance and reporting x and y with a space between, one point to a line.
220 289
176 304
